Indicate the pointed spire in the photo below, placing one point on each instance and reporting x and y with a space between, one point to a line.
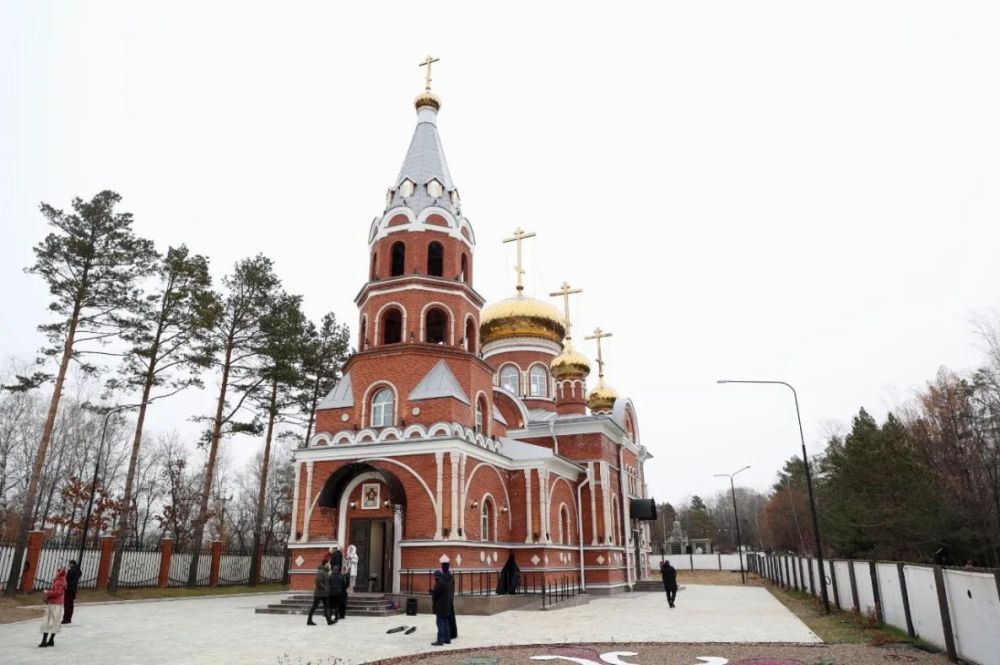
424 180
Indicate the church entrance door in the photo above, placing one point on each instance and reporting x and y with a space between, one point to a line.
373 539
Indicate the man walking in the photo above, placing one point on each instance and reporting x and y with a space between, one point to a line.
669 575
72 582
338 601
441 603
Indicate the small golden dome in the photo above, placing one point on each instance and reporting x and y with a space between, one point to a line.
601 398
427 98
521 317
569 364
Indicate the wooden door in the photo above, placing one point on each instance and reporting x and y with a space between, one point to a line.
360 535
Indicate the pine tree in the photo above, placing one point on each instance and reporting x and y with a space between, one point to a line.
236 340
326 351
91 262
166 332
281 352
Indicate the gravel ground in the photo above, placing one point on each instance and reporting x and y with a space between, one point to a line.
681 654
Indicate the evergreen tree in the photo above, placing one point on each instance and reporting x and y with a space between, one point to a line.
880 498
236 340
326 350
91 262
166 332
281 352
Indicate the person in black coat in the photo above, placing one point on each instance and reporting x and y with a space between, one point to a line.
321 592
72 583
669 575
338 599
510 577
336 558
441 604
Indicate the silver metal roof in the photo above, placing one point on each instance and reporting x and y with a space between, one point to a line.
341 396
439 382
424 161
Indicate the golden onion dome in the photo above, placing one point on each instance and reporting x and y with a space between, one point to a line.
569 364
427 98
601 398
521 317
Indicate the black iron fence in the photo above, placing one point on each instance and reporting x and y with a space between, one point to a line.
560 590
470 582
140 565
6 561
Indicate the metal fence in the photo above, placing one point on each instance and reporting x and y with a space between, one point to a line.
180 566
274 565
234 566
140 565
6 561
955 609
469 582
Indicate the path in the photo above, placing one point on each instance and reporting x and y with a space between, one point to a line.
225 630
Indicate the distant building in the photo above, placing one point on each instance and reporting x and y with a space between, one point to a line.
679 543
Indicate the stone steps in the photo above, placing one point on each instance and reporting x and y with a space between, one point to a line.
358 604
648 585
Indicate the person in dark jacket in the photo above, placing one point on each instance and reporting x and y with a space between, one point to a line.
338 599
669 575
321 592
441 604
72 582
452 622
336 558
510 577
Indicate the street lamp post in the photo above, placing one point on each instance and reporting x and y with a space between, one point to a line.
809 486
736 514
97 468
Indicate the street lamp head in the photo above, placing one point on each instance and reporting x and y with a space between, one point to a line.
741 470
721 475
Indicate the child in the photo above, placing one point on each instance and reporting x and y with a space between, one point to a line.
54 599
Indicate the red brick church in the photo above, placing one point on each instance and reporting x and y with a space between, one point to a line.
461 431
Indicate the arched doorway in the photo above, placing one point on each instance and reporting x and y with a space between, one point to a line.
368 508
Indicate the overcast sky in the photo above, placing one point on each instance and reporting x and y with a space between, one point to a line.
767 190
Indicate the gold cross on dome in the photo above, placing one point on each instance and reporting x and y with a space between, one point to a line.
565 291
599 335
519 235
427 75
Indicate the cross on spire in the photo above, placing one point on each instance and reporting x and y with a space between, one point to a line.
427 75
599 335
565 291
519 235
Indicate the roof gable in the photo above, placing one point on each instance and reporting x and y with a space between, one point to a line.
341 396
439 382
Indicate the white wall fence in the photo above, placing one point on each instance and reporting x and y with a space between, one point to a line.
715 561
956 610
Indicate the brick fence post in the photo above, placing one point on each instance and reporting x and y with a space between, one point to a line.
259 557
213 575
166 554
31 557
104 565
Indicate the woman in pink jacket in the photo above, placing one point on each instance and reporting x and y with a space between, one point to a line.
54 598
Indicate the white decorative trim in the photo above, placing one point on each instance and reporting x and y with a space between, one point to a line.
309 507
527 504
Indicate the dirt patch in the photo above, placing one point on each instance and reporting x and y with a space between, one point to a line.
11 612
682 654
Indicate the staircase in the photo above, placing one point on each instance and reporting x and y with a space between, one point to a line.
358 604
648 585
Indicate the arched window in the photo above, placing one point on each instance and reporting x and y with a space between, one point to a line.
435 259
392 326
470 335
464 274
539 382
480 415
510 379
487 531
383 408
435 326
398 259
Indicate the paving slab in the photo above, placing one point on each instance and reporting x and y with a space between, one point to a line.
226 630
